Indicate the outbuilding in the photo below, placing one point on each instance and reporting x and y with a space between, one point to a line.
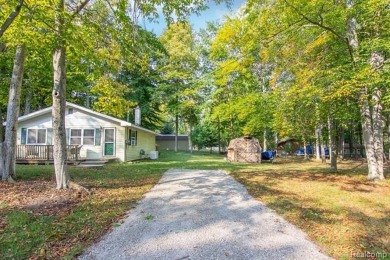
244 149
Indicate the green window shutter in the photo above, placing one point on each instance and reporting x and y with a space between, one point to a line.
136 137
98 136
49 136
23 136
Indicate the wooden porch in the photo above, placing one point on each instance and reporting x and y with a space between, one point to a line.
43 154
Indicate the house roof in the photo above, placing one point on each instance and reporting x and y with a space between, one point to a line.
87 110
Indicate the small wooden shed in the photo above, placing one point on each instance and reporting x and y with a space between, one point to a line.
244 149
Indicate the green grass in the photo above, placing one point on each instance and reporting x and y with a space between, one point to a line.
342 212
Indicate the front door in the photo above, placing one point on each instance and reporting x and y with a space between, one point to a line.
109 142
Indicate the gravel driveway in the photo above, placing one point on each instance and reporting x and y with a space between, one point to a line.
199 214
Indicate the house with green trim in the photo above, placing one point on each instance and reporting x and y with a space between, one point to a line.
89 136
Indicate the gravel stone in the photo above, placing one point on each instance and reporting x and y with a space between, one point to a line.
202 214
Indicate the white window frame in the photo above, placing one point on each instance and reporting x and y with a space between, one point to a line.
36 129
70 136
94 136
82 136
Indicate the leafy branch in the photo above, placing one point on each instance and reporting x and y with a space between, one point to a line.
11 18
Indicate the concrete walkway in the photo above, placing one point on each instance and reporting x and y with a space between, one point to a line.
198 214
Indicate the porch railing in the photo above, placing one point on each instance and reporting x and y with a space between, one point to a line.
44 152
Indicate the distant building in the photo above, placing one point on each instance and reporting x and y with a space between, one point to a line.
167 142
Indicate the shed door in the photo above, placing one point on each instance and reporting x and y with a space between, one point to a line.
109 142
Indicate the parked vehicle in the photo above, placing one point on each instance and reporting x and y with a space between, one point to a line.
268 155
310 152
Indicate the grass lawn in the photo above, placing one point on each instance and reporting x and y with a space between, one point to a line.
343 213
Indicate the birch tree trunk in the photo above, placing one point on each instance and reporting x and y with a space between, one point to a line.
265 140
9 145
59 103
372 127
332 145
276 145
58 114
318 146
306 155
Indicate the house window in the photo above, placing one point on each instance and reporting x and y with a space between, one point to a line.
89 136
132 137
82 136
75 136
36 136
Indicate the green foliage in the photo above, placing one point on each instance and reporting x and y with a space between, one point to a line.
110 98
167 129
177 68
205 135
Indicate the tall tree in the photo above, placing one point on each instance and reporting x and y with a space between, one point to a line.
178 71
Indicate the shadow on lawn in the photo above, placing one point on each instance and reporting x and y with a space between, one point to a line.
375 233
366 232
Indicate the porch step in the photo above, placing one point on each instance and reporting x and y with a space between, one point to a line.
92 164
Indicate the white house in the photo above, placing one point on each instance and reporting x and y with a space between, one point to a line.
91 134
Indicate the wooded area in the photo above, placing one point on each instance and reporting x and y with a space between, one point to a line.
317 71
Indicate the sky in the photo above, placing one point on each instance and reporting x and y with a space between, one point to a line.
213 13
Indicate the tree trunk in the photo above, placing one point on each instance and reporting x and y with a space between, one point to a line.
332 145
351 141
59 102
190 136
306 155
265 141
219 136
322 145
1 127
323 155
176 133
9 145
232 135
372 127
388 132
1 144
340 143
58 113
318 146
2 166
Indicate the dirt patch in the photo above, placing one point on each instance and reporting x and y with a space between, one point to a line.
37 197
